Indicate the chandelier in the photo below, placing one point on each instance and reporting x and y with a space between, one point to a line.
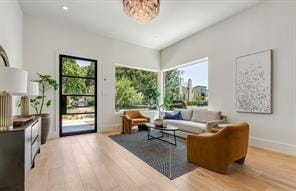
141 11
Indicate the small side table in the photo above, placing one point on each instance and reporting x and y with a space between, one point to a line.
122 128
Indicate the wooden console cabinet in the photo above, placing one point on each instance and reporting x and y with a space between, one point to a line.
18 149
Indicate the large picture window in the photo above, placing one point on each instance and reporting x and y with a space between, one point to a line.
186 87
135 89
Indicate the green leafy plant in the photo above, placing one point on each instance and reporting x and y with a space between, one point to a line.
141 82
46 83
152 96
173 81
167 102
126 95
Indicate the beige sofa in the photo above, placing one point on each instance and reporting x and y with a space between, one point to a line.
196 121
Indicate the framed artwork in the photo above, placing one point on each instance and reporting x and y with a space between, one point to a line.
254 83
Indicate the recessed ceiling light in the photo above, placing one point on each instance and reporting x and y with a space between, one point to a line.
65 8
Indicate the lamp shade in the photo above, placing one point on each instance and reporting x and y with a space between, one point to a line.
33 88
13 80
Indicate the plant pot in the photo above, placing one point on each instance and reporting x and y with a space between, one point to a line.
45 125
158 122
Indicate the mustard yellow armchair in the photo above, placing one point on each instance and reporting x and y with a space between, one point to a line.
134 118
216 151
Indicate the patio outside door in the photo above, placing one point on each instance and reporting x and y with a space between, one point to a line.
78 95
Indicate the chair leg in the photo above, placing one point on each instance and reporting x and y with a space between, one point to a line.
224 170
241 161
130 129
127 129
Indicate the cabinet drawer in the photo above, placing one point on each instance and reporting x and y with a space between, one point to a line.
35 130
35 148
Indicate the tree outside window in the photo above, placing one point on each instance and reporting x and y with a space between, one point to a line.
135 89
78 79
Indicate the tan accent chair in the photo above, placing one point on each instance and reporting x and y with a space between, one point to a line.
216 151
134 118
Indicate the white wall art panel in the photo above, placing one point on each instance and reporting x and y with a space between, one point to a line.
254 83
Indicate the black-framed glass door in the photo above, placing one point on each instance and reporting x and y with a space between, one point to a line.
78 95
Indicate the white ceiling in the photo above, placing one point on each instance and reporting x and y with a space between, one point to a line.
177 19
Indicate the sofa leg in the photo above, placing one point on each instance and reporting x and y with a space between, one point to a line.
241 161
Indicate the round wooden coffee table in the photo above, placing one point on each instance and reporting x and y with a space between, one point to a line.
162 129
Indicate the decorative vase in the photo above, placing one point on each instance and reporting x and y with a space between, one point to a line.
45 125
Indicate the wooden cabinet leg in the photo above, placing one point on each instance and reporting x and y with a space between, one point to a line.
241 161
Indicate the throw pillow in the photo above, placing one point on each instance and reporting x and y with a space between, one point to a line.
173 115
185 113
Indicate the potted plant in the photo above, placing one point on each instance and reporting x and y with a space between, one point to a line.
153 96
46 83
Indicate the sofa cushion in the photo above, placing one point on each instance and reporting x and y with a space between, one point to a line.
188 126
173 115
140 120
186 113
204 116
206 134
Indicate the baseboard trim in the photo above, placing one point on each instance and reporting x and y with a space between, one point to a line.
110 127
273 145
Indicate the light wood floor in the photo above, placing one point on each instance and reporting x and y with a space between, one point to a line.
95 162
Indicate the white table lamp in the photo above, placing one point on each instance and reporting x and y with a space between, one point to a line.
13 81
32 90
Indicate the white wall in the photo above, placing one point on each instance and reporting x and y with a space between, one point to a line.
11 35
43 41
271 25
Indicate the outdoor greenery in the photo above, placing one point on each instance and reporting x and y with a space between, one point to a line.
126 95
78 79
78 85
200 100
172 83
46 83
135 89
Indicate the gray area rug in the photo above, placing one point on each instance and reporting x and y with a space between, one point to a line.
168 159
